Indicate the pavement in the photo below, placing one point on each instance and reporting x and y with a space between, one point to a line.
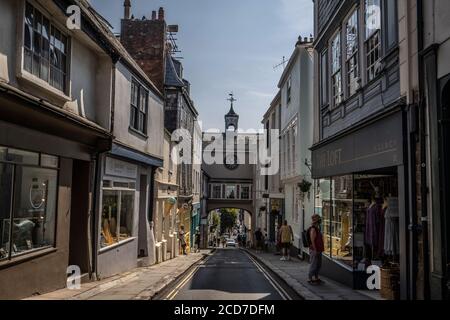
228 274
295 274
138 284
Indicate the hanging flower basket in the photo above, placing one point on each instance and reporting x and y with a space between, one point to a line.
305 186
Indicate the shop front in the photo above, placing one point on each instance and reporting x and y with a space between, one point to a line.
126 209
360 194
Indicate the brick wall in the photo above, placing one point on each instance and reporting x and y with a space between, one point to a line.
145 40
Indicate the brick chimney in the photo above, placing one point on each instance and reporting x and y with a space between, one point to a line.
161 14
127 10
146 40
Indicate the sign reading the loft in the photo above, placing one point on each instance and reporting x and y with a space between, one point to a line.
119 168
377 146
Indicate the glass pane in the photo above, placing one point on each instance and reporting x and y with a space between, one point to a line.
126 214
336 53
373 17
342 219
352 34
34 209
230 192
22 157
5 207
323 208
109 218
49 161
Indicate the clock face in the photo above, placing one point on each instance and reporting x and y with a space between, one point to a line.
231 162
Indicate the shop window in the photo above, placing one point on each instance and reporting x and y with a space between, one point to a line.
352 61
45 49
342 219
336 74
323 208
139 107
117 216
27 220
373 38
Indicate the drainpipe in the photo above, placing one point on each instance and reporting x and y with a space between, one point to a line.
95 214
423 153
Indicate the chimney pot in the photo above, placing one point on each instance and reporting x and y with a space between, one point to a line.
161 14
127 6
154 15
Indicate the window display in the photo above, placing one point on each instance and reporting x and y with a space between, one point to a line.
360 219
27 220
118 212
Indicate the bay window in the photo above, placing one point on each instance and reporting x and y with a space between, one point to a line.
45 49
336 76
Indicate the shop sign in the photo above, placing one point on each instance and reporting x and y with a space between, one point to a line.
119 168
376 146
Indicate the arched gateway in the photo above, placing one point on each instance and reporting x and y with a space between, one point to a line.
228 167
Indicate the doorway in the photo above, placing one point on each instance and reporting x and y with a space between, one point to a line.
79 216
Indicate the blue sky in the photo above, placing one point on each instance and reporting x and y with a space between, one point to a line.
228 45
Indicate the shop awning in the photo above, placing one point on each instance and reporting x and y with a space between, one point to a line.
121 151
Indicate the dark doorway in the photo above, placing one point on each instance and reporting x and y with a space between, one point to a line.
445 137
142 237
79 216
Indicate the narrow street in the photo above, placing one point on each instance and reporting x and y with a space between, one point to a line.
229 274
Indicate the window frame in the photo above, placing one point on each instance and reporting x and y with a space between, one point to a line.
137 111
62 52
10 258
336 98
355 55
324 78
289 90
368 39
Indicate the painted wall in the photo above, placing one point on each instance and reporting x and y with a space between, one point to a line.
153 143
89 84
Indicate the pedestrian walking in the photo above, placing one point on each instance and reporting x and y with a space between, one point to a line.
266 240
259 240
316 248
287 237
182 238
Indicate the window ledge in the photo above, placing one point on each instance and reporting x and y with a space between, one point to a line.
139 133
36 82
26 257
116 245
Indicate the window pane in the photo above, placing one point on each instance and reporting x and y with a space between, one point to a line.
324 77
34 209
342 219
141 126
109 218
22 157
5 207
352 34
28 26
230 192
323 208
133 117
126 214
373 17
49 161
336 53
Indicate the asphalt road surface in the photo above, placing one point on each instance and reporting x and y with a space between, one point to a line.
228 274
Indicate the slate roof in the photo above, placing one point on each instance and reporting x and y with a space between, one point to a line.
172 78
